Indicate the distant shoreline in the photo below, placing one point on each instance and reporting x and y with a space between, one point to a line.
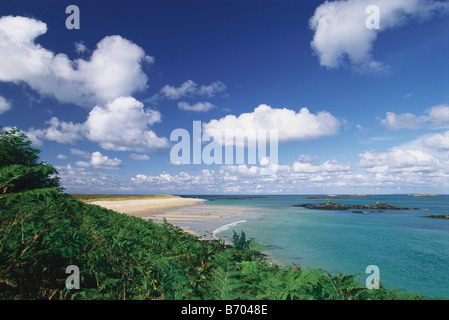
341 196
89 197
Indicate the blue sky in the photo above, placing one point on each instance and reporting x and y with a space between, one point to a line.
358 110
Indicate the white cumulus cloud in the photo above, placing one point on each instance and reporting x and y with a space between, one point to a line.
291 125
122 125
113 70
395 121
191 89
4 105
327 166
436 117
398 160
197 107
100 161
437 141
439 116
59 131
341 35
80 47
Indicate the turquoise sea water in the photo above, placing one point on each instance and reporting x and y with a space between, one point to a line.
412 252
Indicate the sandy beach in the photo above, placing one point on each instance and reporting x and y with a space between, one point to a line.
155 209
146 208
181 212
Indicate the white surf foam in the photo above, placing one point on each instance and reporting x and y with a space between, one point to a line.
226 227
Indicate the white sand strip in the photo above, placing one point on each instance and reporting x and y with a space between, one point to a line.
146 207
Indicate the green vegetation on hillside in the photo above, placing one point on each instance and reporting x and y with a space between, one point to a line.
42 231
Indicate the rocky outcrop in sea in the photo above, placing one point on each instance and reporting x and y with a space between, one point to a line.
338 206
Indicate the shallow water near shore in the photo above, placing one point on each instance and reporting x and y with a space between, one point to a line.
209 221
412 252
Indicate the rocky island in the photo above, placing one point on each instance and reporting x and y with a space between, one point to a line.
444 216
338 206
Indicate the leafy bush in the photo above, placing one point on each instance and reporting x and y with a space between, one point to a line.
15 148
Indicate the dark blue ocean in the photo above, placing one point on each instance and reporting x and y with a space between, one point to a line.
412 252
